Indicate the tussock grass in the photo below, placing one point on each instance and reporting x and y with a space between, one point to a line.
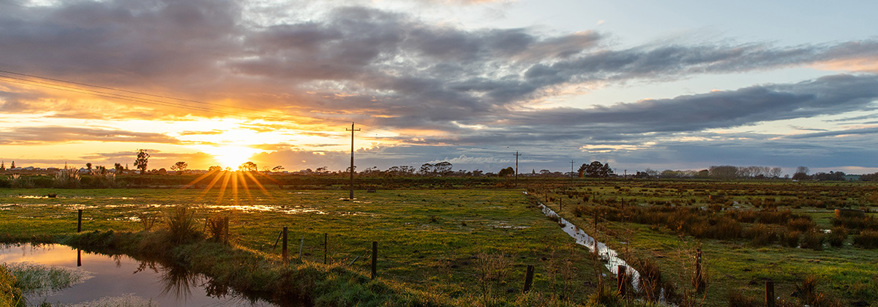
41 280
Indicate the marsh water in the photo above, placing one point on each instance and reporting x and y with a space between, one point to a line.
119 277
610 257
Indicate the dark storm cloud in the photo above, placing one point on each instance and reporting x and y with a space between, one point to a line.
45 135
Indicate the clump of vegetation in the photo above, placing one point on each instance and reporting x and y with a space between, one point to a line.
10 294
761 235
492 270
33 278
181 225
837 236
738 299
218 228
650 277
813 239
808 294
867 239
791 238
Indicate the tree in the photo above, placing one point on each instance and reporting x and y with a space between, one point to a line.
426 168
13 164
801 173
142 160
180 167
88 166
506 172
277 168
442 168
248 167
215 168
723 172
119 168
595 169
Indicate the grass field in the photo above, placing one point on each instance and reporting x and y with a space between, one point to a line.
737 263
438 241
472 246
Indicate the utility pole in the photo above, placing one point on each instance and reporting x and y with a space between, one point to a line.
571 168
352 157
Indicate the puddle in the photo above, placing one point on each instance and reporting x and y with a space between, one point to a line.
120 279
262 208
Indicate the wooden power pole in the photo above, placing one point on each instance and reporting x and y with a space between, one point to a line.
352 130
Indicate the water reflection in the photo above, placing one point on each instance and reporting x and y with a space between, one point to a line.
611 259
119 275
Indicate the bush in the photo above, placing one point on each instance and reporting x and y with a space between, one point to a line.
867 239
736 299
813 239
802 224
761 235
837 236
791 238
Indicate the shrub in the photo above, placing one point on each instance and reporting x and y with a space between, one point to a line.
791 238
867 239
802 224
761 235
736 299
650 277
813 239
837 236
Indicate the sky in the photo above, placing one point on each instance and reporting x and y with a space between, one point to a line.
679 85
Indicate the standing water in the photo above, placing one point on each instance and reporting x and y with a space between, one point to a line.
607 255
97 279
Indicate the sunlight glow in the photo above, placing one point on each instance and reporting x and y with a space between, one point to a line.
232 156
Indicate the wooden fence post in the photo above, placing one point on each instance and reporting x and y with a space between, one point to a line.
698 282
301 244
374 258
621 272
79 221
528 278
769 293
78 257
285 253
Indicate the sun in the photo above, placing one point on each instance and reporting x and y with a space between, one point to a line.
232 156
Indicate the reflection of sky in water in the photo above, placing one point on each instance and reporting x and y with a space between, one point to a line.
119 275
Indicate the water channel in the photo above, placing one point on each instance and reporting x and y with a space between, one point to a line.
609 257
103 278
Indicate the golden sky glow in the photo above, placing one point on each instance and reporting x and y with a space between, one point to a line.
638 84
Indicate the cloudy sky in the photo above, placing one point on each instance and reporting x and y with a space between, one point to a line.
637 84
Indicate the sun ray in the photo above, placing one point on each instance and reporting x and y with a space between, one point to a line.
234 188
244 185
222 191
256 182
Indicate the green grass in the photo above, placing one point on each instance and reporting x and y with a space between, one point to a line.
429 240
845 273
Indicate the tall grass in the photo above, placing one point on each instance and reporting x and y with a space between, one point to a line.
867 239
181 225
10 294
34 278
